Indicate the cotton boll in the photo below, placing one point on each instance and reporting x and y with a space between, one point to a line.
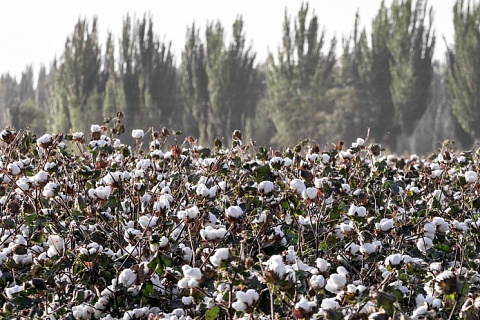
219 256
287 162
346 187
127 277
336 282
276 265
325 158
13 169
265 187
137 134
245 300
50 190
385 224
322 264
471 176
234 212
147 221
309 193
187 300
357 211
317 281
297 185
440 224
9 292
312 157
329 303
394 259
424 244
103 192
368 248
190 272
56 244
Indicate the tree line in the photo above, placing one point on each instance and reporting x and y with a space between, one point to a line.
385 80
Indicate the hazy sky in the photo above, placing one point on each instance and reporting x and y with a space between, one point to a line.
34 31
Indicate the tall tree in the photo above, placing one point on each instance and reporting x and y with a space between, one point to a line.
297 80
242 82
114 100
411 47
463 76
194 86
218 82
353 112
377 67
77 100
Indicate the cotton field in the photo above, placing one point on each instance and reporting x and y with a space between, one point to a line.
92 228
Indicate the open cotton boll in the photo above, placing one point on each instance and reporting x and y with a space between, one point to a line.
147 221
202 190
322 264
234 212
317 281
189 213
50 190
312 157
40 177
325 158
56 244
471 176
385 224
190 272
305 305
336 282
111 178
9 292
137 133
394 259
265 187
220 255
276 265
310 193
297 185
210 233
329 303
127 277
424 244
440 224
245 299
44 140
13 169
103 192
287 162
357 211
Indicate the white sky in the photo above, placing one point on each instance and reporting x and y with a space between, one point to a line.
34 31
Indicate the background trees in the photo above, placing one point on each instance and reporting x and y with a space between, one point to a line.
385 80
297 79
463 75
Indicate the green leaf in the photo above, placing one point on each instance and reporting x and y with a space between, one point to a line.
212 313
263 174
39 237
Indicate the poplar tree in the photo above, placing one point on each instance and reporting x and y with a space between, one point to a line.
114 100
353 112
194 87
77 102
297 80
411 47
463 75
377 67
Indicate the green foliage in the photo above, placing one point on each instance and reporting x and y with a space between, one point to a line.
463 76
411 47
297 80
